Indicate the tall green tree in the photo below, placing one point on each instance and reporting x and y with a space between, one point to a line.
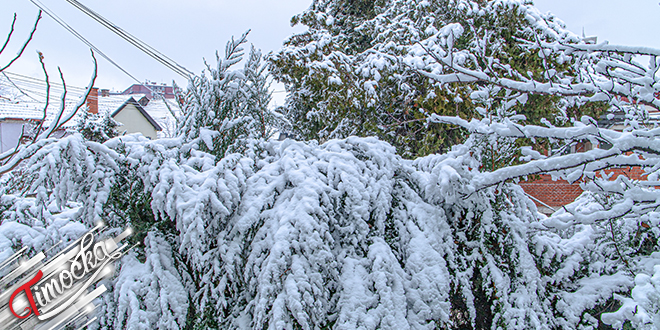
356 70
226 107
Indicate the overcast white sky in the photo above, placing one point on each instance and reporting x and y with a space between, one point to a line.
188 31
627 22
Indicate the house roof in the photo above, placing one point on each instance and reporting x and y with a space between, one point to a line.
158 108
20 111
144 113
26 101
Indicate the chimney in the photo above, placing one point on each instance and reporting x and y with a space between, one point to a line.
105 92
93 101
143 101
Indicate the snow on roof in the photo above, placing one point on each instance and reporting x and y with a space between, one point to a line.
33 109
158 109
29 99
110 104
25 111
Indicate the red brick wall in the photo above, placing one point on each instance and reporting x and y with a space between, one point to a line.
554 193
634 173
559 193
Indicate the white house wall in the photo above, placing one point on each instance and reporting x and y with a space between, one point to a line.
10 132
134 122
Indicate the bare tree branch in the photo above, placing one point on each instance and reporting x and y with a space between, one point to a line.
11 32
45 110
25 44
57 124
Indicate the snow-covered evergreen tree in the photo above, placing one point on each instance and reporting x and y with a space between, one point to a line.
95 127
356 70
229 106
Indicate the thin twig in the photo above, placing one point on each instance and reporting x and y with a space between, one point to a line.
11 31
26 151
41 124
63 100
20 52
81 102
618 252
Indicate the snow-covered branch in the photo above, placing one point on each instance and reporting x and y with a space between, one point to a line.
25 43
10 159
570 68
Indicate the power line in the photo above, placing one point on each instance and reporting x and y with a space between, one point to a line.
19 89
160 57
66 26
28 82
25 85
33 79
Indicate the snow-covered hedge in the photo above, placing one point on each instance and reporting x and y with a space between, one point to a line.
343 235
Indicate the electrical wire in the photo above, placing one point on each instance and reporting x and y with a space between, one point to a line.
31 86
34 86
66 26
38 82
160 57
19 89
